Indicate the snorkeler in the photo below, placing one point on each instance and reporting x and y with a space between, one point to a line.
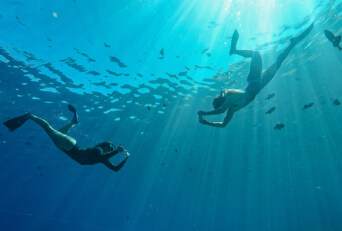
334 39
100 153
233 100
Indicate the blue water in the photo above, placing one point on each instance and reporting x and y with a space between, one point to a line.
105 57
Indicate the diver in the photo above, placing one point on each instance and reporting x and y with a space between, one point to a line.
99 153
232 100
334 39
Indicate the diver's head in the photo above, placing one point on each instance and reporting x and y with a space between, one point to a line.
219 100
106 146
230 94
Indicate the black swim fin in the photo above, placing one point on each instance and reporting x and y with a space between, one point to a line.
234 41
73 110
16 122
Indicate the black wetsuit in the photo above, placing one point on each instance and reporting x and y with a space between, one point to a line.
86 156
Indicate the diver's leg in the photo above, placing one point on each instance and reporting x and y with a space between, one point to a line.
62 141
233 50
270 72
65 129
74 121
256 67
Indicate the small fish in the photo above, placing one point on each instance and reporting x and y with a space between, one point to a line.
106 45
204 50
306 106
279 126
176 150
149 108
162 52
337 102
270 96
272 109
332 38
39 167
164 105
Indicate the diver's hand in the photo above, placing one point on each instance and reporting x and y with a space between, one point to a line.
200 118
203 121
120 149
200 113
127 155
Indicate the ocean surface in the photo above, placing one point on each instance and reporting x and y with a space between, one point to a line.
138 71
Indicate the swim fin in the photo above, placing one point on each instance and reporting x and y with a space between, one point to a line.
73 110
16 122
234 41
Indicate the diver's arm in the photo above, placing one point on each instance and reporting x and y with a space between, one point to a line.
226 120
214 112
113 167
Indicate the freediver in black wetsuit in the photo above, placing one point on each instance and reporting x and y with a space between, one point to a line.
99 153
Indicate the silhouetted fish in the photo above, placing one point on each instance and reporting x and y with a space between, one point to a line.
204 50
39 167
162 52
279 126
20 22
306 106
272 109
149 108
106 45
337 102
332 38
270 96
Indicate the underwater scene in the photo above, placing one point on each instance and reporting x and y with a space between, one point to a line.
171 115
